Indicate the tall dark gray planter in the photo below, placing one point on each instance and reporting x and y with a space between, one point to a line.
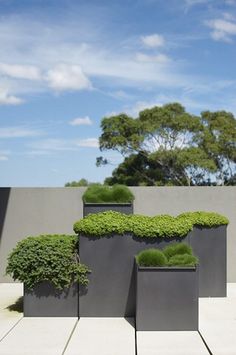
45 301
126 208
167 299
209 245
111 288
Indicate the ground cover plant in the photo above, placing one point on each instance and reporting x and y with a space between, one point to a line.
177 254
47 258
97 193
162 226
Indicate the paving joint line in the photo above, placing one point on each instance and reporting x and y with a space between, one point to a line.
4 336
205 343
71 334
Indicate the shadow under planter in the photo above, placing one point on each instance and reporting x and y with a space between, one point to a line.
209 245
45 301
126 208
111 288
167 299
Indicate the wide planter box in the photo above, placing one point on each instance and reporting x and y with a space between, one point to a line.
166 298
111 288
45 301
209 245
88 208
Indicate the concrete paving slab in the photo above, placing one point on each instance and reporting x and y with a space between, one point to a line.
105 336
11 306
38 336
170 343
217 322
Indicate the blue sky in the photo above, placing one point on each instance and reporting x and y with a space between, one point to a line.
65 64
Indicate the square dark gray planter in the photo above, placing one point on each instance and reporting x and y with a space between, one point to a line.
111 288
166 298
45 301
126 208
209 245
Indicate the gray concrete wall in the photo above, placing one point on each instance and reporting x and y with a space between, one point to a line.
34 211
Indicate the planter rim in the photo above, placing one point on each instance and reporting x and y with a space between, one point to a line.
143 268
108 203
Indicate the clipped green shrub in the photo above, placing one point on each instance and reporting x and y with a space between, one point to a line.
47 258
204 219
177 248
97 193
110 222
183 260
151 257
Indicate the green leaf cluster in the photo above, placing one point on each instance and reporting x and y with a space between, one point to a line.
47 258
162 226
205 219
97 193
177 254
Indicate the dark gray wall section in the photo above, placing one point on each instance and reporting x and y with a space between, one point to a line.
101 207
167 299
25 211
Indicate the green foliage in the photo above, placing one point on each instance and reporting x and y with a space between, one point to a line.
178 254
183 260
81 182
177 249
151 257
161 226
47 258
205 219
102 193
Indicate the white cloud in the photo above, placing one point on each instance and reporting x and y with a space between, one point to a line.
190 3
67 77
52 144
146 58
7 99
81 121
20 71
223 30
153 41
18 132
3 158
88 142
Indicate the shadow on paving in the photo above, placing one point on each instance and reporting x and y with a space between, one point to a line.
17 306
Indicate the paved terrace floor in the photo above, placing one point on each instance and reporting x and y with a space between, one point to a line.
113 336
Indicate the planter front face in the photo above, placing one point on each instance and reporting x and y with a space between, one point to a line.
111 288
167 299
209 245
45 301
126 208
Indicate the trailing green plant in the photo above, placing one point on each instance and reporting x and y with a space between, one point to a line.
110 222
177 249
175 255
97 193
204 219
183 260
51 258
151 257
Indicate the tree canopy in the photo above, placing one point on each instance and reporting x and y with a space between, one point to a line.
168 146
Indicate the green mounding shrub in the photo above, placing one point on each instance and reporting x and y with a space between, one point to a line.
111 222
109 194
51 258
177 249
204 219
151 257
183 260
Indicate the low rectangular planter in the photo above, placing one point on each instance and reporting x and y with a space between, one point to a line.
111 288
45 301
126 208
209 245
166 298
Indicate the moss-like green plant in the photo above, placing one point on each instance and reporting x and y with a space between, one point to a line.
174 255
177 249
204 219
97 193
183 260
47 258
151 257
